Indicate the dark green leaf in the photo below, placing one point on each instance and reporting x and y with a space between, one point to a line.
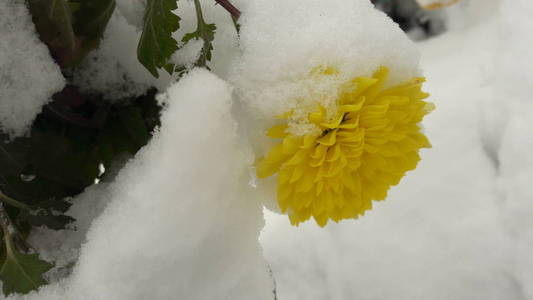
206 32
156 45
13 156
35 191
54 21
43 217
92 17
57 158
21 273
132 120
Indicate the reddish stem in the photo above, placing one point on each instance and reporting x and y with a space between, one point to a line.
235 12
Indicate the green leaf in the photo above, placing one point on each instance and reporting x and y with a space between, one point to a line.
59 159
156 45
44 217
132 120
35 191
92 17
13 156
54 21
20 272
204 31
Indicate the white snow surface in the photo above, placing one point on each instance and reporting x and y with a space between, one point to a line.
186 212
515 96
180 224
28 75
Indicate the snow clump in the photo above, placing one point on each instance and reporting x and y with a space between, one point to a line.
181 221
28 75
284 42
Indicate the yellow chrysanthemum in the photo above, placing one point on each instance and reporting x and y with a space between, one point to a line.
368 146
436 4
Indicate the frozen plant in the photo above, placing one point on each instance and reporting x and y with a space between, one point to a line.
139 167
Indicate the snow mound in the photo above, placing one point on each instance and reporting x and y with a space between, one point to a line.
512 107
28 75
181 222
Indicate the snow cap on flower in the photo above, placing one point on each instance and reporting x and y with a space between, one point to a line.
282 41
300 60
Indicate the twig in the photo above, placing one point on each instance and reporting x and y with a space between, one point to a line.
8 200
235 13
5 222
10 233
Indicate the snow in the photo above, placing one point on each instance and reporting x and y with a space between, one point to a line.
28 75
113 69
187 210
179 218
515 95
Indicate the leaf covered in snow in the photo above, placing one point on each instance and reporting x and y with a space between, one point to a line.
156 45
205 32
20 272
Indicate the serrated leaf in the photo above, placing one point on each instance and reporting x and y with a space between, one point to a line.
92 17
206 32
156 44
20 272
44 217
49 213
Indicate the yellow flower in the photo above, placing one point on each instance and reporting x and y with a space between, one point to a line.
436 4
370 143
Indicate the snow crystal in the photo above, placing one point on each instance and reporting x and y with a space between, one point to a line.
28 75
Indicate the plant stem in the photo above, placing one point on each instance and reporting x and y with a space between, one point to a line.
8 200
7 227
235 13
199 14
10 233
